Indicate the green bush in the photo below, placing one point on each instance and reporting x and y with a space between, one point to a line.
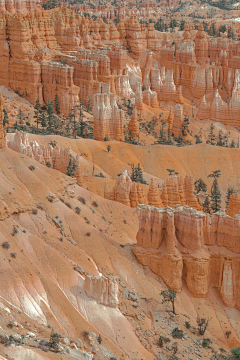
177 333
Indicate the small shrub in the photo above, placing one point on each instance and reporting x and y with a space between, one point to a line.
85 334
6 245
99 339
187 325
206 342
10 325
95 204
15 231
62 200
54 339
125 221
162 340
11 338
88 234
202 325
78 210
50 199
13 255
34 211
32 167
103 217
48 164
88 222
40 207
93 211
228 333
177 333
68 205
82 200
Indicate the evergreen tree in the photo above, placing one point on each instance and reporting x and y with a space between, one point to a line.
215 197
5 118
200 185
50 116
169 296
206 205
37 113
220 138
235 354
162 135
72 167
169 140
21 118
137 175
198 138
185 123
171 171
182 25
56 105
43 119
211 137
230 191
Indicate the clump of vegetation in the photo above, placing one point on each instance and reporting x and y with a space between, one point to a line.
15 230
68 205
202 325
88 234
99 339
78 210
10 325
6 245
177 333
54 340
187 324
137 175
162 339
32 167
85 334
200 185
169 296
34 211
13 255
40 207
82 200
48 164
206 343
94 203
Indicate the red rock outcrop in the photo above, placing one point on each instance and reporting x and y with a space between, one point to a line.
57 157
154 198
234 205
179 191
125 191
102 289
191 252
133 124
108 118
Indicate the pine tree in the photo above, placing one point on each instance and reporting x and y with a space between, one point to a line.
220 138
56 105
37 113
171 171
5 118
200 186
199 137
215 197
230 191
72 167
211 137
21 118
50 115
43 119
169 296
185 123
169 140
206 205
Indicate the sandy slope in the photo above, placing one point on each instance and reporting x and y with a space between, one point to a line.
41 283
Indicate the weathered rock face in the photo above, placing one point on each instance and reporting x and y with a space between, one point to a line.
125 191
176 244
154 198
3 138
234 205
179 191
177 120
58 158
21 6
133 124
108 118
102 289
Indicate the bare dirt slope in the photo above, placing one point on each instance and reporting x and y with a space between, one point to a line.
39 288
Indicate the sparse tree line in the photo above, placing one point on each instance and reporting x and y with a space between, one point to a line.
48 120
